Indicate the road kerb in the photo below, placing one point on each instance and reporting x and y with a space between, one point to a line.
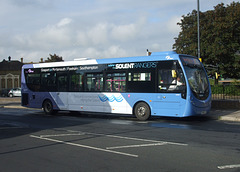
14 107
229 118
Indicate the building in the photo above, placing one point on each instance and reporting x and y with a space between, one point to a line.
10 73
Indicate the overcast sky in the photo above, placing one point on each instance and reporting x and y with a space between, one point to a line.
33 29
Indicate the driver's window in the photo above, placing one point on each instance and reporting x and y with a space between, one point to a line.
170 77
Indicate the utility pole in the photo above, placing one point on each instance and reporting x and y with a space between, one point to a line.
198 29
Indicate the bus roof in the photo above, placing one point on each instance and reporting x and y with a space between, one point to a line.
155 56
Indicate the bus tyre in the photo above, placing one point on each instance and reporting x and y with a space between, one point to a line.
48 107
142 111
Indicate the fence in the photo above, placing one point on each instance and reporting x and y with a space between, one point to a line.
225 92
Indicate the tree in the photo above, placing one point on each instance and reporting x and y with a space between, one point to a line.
54 58
219 35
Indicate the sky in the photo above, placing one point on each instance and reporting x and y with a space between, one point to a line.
33 29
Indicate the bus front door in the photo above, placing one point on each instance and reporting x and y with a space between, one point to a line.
171 88
169 104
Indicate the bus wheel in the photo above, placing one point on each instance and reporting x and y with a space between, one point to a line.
142 111
48 107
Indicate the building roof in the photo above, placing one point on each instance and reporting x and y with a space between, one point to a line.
12 65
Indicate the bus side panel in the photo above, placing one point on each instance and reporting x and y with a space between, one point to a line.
84 102
61 99
36 99
115 103
171 104
160 104
99 102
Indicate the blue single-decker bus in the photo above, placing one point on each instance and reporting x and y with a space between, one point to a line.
161 84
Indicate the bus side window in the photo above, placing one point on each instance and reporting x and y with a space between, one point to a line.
141 81
62 82
48 81
76 83
116 82
94 82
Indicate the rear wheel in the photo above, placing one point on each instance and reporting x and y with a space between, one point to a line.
142 111
48 107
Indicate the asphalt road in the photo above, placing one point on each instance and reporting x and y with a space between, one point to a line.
32 141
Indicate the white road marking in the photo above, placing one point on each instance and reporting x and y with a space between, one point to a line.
229 166
131 138
84 146
60 135
136 146
108 149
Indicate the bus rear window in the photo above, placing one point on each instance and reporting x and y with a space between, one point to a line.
32 79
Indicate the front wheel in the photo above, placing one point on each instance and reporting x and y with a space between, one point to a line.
142 111
48 107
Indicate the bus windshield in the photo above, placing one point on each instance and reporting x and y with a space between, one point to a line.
196 76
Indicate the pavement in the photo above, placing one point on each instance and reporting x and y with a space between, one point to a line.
226 114
218 114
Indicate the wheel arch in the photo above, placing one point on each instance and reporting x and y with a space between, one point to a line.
49 98
139 101
46 99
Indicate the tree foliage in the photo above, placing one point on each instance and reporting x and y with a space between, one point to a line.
219 36
54 58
